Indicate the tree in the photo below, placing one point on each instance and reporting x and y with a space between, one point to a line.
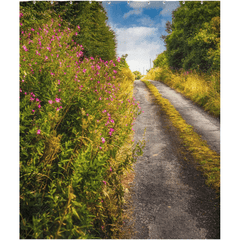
95 36
183 48
161 60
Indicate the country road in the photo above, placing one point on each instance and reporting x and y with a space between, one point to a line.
169 196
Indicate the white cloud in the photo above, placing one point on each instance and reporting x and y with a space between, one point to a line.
138 4
135 11
141 44
145 21
169 7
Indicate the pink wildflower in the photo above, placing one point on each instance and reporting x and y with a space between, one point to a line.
104 182
38 131
50 101
39 106
103 140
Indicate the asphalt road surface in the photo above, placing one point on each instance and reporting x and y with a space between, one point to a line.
170 197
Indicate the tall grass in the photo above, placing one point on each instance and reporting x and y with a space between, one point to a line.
202 88
76 135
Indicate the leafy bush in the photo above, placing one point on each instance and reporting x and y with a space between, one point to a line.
206 48
194 37
161 61
76 118
137 74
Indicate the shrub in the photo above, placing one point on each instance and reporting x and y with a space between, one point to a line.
137 74
161 61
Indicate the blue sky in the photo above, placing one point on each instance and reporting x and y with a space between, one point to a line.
138 27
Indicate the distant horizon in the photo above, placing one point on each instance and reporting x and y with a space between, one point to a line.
138 27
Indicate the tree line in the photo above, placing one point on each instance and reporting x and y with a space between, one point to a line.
193 40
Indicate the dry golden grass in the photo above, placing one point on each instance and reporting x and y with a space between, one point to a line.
208 161
201 88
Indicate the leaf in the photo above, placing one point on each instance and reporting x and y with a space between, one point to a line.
75 213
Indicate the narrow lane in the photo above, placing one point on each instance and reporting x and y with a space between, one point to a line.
170 198
204 124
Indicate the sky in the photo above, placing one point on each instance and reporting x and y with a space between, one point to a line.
138 27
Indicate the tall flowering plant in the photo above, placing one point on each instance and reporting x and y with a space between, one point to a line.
75 116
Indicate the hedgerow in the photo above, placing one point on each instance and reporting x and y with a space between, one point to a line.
76 119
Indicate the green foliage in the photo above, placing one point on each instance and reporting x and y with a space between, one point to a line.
137 74
161 61
96 36
72 131
123 62
194 39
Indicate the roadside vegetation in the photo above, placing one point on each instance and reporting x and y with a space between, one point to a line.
208 161
191 63
77 113
201 88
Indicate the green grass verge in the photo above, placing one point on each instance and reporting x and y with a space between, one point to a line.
208 161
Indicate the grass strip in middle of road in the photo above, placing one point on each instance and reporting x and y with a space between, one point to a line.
208 161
